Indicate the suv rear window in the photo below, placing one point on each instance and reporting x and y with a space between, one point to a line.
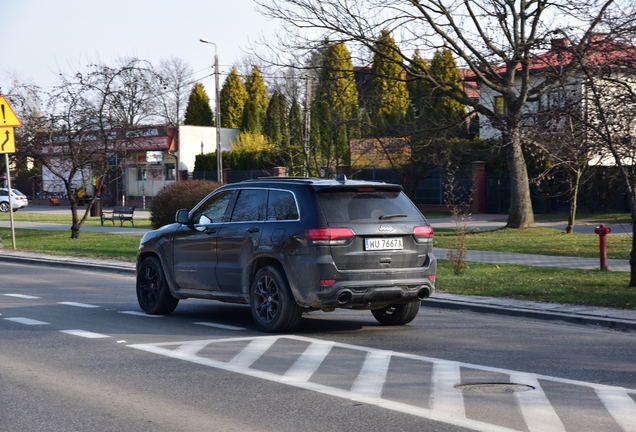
355 206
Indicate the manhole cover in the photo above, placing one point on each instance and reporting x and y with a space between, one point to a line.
494 387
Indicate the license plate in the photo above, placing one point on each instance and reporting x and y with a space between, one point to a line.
391 243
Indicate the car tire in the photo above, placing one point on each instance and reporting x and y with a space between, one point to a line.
4 207
397 314
153 294
15 210
273 306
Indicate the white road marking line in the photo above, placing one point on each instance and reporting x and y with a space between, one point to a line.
535 406
447 400
22 296
82 305
142 314
27 321
84 334
370 380
252 352
221 326
308 362
191 348
621 406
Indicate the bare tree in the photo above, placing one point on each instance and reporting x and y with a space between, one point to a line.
608 108
558 141
174 82
88 119
498 40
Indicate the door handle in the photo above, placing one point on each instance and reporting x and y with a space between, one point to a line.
253 230
209 231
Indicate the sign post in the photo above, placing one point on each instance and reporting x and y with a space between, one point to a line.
8 120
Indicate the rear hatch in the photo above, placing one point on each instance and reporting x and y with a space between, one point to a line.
378 227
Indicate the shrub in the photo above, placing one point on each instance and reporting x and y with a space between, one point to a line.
178 195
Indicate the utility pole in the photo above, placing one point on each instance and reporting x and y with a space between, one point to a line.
217 114
308 101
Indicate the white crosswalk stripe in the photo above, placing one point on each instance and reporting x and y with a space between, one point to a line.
535 406
448 403
620 405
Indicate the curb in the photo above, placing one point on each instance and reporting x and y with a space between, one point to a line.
53 261
609 323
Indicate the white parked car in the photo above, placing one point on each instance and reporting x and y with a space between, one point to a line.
18 200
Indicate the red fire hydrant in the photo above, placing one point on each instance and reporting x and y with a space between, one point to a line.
602 230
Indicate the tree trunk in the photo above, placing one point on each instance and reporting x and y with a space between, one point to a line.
573 202
520 214
75 224
632 261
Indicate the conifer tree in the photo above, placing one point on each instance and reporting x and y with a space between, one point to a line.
295 153
251 121
257 92
233 97
446 110
419 89
435 113
199 112
388 95
336 107
272 127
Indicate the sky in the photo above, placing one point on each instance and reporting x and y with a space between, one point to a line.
41 38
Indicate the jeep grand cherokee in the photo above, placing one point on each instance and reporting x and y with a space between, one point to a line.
291 245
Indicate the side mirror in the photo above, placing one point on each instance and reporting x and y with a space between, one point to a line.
182 216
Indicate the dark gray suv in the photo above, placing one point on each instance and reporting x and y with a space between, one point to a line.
291 245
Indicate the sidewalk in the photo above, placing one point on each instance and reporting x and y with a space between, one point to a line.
605 317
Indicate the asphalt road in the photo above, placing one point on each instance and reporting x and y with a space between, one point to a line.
77 354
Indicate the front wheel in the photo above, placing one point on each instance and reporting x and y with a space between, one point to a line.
4 207
272 303
153 293
397 314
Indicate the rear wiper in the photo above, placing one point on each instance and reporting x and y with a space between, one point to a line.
391 216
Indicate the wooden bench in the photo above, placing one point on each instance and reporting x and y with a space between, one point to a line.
120 213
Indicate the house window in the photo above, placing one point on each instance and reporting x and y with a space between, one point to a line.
141 174
170 171
500 105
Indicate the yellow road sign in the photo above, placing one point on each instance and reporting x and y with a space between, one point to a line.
7 140
7 116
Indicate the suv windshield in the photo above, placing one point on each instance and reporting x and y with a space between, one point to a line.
356 206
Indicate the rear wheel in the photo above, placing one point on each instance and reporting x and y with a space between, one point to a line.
153 293
272 303
397 314
4 207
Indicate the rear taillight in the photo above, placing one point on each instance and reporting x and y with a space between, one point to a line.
329 236
423 234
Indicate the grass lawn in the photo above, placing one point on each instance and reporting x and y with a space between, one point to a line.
89 244
542 241
553 285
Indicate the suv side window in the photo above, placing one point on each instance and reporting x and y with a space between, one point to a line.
250 206
213 210
281 206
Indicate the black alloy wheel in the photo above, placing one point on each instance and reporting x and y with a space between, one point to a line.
273 306
153 293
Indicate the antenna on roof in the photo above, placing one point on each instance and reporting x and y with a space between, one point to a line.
341 178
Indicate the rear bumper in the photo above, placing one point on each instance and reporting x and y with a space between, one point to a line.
360 289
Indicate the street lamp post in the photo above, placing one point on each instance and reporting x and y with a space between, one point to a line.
217 114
